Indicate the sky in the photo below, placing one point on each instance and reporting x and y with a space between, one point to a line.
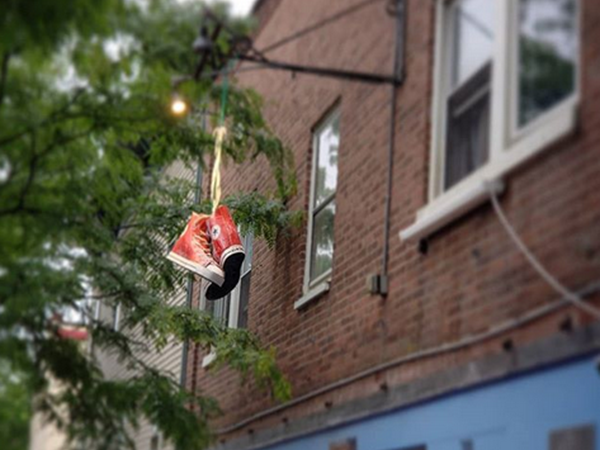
238 7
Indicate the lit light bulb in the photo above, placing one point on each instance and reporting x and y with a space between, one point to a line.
178 106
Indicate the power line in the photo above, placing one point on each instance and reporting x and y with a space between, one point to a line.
253 54
468 341
535 263
317 25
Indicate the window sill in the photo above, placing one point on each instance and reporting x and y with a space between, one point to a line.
312 294
474 190
440 213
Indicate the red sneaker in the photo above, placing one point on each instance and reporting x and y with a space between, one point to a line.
227 251
192 250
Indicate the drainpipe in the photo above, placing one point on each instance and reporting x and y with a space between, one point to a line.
190 280
400 10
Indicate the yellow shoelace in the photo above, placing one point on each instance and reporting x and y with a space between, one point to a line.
215 186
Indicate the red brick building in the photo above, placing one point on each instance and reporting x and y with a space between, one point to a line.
463 344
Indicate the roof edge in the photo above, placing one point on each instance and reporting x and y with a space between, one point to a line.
263 10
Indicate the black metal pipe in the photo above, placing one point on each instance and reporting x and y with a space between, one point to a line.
323 71
398 75
258 57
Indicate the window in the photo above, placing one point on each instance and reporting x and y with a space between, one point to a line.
320 246
480 41
232 310
505 88
580 437
155 442
468 98
241 294
547 49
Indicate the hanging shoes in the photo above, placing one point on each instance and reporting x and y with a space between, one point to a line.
227 250
192 251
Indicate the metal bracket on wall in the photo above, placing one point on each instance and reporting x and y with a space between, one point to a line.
214 57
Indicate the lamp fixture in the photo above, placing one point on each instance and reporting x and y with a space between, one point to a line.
178 106
203 43
240 47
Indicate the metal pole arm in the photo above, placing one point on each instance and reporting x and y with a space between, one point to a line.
323 71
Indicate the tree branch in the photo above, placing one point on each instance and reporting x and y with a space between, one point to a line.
51 119
20 206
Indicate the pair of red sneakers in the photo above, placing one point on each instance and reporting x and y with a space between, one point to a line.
211 247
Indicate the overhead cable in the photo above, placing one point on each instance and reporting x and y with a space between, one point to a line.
572 297
566 297
320 24
494 332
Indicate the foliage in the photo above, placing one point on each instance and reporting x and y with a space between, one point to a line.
265 218
87 213
14 410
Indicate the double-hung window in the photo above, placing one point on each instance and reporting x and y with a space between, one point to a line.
320 243
505 87
467 102
232 310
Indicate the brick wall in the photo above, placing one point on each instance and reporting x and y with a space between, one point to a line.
470 280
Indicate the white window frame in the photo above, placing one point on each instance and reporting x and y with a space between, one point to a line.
97 310
116 325
234 302
315 288
510 146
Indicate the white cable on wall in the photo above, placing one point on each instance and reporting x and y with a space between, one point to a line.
468 341
535 263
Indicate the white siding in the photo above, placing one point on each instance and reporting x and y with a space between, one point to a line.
169 358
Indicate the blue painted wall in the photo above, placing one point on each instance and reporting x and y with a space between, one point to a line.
516 414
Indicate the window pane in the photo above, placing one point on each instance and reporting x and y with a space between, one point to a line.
244 298
219 309
548 46
248 248
467 142
473 37
322 241
328 140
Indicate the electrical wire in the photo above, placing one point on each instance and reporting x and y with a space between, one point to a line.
320 24
567 297
535 263
259 54
466 342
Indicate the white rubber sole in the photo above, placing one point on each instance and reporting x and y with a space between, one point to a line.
230 251
210 274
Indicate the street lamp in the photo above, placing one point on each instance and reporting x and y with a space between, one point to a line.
178 106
